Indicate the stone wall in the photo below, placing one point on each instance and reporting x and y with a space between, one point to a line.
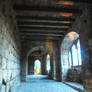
65 49
83 26
9 53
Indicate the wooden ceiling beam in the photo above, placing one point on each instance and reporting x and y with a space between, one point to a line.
41 34
41 28
64 23
56 9
43 18
40 39
43 31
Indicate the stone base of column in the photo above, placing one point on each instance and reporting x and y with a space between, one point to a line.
54 78
86 91
23 79
58 80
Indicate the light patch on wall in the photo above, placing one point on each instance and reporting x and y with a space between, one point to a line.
48 63
79 52
48 56
37 67
49 46
74 55
72 35
65 3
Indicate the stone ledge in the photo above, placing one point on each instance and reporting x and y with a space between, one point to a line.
76 88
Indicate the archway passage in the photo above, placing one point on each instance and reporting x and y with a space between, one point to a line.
37 60
71 58
37 67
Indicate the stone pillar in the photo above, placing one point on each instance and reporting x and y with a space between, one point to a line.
31 61
43 65
52 74
55 72
57 61
23 69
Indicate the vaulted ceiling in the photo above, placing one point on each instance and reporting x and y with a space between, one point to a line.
45 19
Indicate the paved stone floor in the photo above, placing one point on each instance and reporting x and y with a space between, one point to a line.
40 83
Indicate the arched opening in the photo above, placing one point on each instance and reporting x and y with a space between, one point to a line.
37 61
71 58
75 54
48 63
37 67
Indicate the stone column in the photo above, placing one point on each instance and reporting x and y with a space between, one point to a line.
57 61
23 68
31 61
52 74
43 65
55 72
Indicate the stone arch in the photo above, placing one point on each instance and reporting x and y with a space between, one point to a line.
35 49
65 48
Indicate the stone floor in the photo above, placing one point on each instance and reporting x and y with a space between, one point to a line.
40 83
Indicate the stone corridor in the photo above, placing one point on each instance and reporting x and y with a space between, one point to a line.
45 45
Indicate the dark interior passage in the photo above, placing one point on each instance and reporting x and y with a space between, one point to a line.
45 43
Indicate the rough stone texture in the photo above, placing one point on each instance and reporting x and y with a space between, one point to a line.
9 52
